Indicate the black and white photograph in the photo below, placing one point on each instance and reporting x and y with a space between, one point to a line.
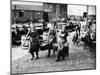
52 37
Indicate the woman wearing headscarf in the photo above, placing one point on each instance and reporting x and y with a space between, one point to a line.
34 41
51 38
63 45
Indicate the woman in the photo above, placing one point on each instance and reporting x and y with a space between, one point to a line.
51 39
63 46
34 41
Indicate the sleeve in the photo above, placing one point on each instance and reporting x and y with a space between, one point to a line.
28 34
66 44
66 34
49 32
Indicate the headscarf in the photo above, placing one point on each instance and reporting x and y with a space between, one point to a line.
32 26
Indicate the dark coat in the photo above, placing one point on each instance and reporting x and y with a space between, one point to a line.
34 42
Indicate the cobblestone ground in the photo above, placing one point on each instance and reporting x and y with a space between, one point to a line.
79 59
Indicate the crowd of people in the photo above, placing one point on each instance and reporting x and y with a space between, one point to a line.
17 34
88 36
57 40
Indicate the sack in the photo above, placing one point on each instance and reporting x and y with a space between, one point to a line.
44 47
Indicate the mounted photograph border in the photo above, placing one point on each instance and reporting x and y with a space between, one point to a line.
43 10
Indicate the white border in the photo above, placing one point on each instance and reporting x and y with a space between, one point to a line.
5 36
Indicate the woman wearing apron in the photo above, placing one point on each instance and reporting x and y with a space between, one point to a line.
63 46
34 41
51 39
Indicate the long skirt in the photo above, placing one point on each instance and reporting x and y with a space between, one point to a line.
64 52
33 48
